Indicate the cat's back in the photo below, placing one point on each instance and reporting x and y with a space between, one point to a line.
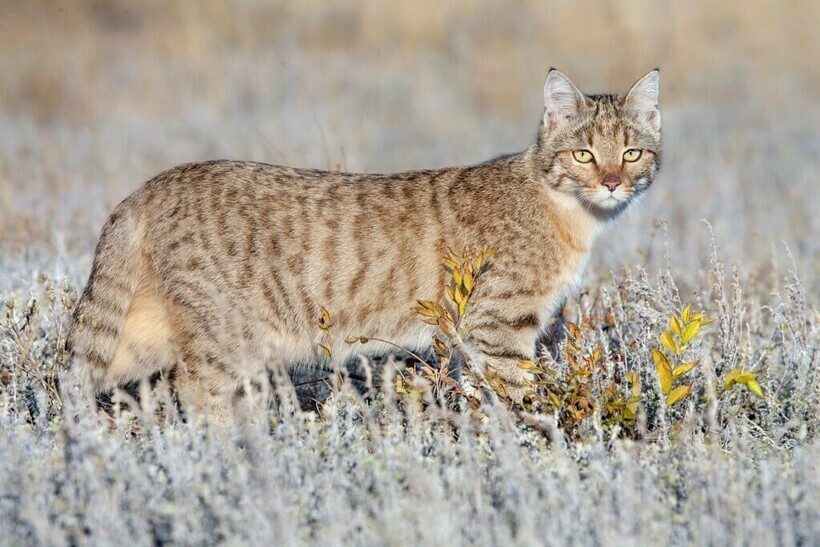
233 178
226 184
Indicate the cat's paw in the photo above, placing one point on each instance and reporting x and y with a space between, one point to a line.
512 383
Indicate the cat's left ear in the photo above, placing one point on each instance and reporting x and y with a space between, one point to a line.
642 99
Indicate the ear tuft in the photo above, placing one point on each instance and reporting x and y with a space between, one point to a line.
642 99
562 100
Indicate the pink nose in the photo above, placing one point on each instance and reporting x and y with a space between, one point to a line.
612 181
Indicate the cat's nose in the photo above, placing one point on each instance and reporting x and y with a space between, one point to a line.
612 181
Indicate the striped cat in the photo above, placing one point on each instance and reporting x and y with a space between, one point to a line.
221 269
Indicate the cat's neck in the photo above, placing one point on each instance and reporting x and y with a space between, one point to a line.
576 223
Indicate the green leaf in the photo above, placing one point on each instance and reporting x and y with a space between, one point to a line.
677 395
684 369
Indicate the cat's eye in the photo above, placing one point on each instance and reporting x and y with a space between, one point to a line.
632 154
582 156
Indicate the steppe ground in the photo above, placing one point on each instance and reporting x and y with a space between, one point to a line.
97 96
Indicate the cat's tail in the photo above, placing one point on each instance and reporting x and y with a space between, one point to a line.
99 318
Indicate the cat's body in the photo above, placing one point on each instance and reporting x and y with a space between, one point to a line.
222 268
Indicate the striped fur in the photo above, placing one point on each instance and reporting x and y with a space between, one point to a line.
221 268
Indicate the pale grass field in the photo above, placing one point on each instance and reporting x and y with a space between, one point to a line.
98 96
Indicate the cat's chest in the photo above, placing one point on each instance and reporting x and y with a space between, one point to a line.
564 281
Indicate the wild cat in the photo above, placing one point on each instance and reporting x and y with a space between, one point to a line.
221 268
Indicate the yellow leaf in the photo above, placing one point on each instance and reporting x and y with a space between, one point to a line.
325 349
755 388
527 364
351 339
457 276
469 281
683 369
596 355
459 296
677 394
665 376
691 330
685 314
400 385
422 310
668 342
674 324
746 377
462 306
731 378
659 357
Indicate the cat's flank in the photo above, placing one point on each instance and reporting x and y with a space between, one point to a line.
221 268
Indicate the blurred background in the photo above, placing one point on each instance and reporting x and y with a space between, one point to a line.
97 96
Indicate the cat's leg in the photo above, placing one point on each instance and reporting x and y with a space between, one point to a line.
206 386
501 342
208 372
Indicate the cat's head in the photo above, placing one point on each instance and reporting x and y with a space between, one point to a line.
602 149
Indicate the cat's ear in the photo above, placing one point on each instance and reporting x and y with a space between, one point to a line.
642 99
562 100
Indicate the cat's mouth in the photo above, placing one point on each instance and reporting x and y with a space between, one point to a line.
606 205
611 200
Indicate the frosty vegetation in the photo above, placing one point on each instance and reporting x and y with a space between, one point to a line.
388 459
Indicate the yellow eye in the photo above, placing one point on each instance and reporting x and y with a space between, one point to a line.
582 156
632 154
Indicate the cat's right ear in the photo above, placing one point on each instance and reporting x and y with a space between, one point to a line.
562 100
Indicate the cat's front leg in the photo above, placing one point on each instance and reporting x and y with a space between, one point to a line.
501 343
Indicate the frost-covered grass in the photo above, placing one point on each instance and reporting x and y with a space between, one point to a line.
97 98
733 469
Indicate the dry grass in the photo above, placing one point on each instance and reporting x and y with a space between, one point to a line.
97 96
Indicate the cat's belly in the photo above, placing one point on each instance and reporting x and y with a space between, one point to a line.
378 335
